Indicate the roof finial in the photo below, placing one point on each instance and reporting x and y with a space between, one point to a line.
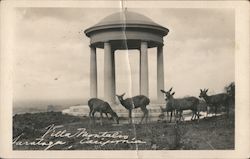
124 8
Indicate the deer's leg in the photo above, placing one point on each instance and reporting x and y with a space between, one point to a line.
195 115
90 116
167 115
107 115
142 117
198 115
198 112
207 112
130 115
192 115
181 116
171 113
145 114
175 114
101 117
93 115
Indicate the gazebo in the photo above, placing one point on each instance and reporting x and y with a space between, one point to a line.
125 30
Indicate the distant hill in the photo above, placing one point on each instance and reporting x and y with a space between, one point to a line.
32 106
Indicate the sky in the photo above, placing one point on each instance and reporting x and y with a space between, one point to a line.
51 53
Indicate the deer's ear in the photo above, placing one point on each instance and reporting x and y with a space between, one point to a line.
206 90
170 89
123 94
173 93
201 90
163 91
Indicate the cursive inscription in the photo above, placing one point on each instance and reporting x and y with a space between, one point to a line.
56 135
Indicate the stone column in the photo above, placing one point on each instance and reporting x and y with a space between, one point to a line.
160 74
113 77
108 73
144 68
93 72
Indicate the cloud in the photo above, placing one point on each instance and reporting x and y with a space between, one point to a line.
185 24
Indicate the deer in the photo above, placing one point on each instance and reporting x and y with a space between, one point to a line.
216 100
139 101
168 108
181 104
98 105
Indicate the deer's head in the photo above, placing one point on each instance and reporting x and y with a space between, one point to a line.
120 97
203 93
168 93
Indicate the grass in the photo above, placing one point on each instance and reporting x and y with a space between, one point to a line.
211 133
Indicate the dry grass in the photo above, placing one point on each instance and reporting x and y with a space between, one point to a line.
212 133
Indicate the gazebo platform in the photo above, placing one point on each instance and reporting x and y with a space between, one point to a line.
83 110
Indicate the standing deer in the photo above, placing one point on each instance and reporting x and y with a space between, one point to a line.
216 100
180 104
168 108
98 105
139 101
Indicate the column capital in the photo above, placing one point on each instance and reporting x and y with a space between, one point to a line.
160 45
92 46
144 41
144 46
106 41
113 50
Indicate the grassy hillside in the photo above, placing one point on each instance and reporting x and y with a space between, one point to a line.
211 133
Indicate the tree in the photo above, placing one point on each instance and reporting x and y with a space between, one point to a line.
230 89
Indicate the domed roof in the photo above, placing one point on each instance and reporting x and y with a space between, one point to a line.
127 19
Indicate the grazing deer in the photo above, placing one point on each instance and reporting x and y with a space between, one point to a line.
98 105
139 101
216 100
181 104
